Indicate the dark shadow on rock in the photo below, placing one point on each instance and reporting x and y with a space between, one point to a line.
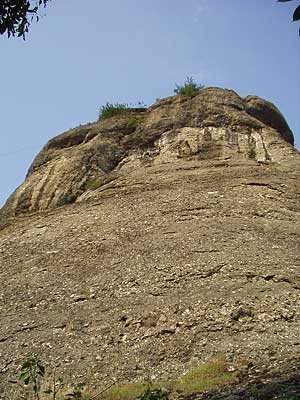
270 388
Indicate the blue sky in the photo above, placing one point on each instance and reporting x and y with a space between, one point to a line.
85 53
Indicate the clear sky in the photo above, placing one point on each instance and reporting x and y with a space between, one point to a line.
83 53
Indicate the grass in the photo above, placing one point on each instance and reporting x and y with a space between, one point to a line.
112 109
67 198
125 392
109 110
189 88
93 183
133 122
207 376
34 384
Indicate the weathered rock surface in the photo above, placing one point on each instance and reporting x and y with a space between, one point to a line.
214 125
181 242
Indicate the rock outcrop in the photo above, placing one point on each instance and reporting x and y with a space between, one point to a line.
215 125
148 242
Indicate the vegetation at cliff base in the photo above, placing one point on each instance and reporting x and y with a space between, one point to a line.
34 383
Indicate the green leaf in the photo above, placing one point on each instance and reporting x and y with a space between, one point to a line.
24 375
296 15
26 380
27 364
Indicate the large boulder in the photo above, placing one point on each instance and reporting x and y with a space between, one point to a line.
150 242
214 125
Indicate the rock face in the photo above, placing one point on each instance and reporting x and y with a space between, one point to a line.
181 242
215 125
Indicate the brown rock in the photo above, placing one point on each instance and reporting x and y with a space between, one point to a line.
182 242
215 125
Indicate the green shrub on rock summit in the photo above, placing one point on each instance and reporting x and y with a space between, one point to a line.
189 88
109 110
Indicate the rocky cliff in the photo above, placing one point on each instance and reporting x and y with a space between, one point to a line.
150 241
214 126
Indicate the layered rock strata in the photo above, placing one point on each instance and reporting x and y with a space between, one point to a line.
148 243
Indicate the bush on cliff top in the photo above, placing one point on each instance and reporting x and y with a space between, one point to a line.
189 88
109 110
